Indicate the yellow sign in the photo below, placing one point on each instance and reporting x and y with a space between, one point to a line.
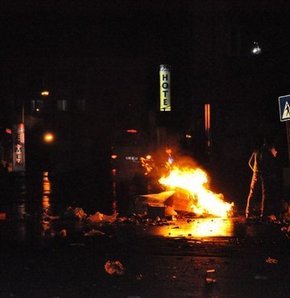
165 96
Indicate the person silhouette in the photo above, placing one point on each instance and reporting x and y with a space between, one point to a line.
262 164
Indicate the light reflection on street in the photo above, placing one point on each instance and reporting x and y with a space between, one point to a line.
46 190
198 228
46 186
45 205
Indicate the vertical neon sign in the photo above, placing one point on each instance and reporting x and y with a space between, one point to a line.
165 94
18 148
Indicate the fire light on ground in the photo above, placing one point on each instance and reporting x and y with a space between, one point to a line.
195 182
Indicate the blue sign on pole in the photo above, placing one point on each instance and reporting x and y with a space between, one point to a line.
284 111
284 107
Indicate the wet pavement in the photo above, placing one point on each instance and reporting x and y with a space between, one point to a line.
67 253
70 260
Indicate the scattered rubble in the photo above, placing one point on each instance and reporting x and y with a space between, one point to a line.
270 260
75 213
94 233
114 267
100 217
150 211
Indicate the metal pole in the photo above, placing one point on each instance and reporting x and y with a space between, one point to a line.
288 138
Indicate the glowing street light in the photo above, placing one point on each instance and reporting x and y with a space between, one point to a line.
44 93
256 49
48 137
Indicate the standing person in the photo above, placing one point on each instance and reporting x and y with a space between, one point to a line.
262 163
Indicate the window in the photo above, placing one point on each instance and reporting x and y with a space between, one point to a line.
36 105
62 105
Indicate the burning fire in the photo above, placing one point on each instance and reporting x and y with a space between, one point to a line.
195 182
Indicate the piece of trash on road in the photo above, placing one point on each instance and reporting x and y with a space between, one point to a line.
271 261
93 233
101 217
114 267
260 277
63 233
77 244
75 213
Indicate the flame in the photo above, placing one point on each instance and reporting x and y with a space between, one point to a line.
195 182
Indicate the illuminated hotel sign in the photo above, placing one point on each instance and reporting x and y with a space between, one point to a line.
165 100
18 148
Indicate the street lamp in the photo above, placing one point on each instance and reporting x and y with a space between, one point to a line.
44 93
256 49
48 137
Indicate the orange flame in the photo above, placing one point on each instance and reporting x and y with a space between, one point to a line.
195 181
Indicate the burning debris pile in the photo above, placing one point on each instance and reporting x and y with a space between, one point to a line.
187 192
186 198
187 195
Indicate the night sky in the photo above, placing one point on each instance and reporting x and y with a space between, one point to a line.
127 40
110 50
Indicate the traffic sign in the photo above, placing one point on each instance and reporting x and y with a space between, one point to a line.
284 107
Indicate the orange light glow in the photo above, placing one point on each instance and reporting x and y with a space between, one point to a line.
46 184
195 182
132 130
207 122
207 117
114 156
45 93
46 191
168 151
202 227
48 137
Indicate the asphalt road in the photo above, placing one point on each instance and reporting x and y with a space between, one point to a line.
138 257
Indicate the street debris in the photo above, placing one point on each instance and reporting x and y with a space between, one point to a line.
271 261
114 267
101 217
165 203
63 233
94 233
77 244
260 277
75 213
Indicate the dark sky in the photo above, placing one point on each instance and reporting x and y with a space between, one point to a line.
112 49
108 29
107 51
124 38
120 43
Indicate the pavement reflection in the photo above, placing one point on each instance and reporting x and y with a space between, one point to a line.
201 227
48 254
